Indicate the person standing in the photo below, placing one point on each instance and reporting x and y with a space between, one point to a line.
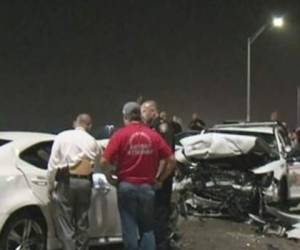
196 123
176 124
295 152
275 116
163 210
137 150
69 182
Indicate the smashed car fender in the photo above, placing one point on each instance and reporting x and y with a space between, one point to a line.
275 166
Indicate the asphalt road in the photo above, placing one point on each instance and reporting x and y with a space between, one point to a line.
214 234
219 234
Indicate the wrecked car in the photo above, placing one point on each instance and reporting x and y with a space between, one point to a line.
286 184
232 170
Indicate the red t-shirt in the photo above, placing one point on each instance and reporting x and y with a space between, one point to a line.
136 149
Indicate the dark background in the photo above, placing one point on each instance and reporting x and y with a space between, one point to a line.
59 58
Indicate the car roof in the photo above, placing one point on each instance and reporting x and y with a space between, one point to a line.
258 127
16 136
265 130
21 140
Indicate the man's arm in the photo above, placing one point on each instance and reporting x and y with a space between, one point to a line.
166 170
109 156
51 180
106 169
53 165
167 163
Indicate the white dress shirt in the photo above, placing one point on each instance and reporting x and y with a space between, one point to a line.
69 148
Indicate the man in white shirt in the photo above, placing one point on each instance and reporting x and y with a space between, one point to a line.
70 166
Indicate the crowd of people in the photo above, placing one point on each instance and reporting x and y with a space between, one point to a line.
138 160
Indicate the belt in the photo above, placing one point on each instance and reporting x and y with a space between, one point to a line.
77 176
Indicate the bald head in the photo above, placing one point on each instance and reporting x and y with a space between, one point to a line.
84 121
149 111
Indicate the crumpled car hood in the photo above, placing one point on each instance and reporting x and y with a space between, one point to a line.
217 146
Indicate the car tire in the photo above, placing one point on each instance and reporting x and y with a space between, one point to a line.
23 231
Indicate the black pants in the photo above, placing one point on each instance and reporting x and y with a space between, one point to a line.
71 200
163 229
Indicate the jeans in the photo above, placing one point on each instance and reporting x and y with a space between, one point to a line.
136 206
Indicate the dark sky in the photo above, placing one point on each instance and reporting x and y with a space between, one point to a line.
62 57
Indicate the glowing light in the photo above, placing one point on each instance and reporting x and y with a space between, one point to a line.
278 22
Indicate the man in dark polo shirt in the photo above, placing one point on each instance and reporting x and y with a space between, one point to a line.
163 224
137 150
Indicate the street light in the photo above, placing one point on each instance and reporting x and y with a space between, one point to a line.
276 22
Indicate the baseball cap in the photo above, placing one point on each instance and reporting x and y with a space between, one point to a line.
130 108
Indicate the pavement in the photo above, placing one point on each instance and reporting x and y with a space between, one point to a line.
221 234
214 234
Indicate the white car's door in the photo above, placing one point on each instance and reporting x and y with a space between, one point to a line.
293 169
294 180
104 215
33 163
104 219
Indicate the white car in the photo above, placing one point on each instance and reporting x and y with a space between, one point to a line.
236 169
286 175
25 211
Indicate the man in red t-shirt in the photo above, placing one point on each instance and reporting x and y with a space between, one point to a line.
136 150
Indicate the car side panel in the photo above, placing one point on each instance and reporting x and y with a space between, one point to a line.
104 214
294 181
18 195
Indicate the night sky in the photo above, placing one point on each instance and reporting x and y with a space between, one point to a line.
59 58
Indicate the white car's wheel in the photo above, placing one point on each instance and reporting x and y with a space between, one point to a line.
23 232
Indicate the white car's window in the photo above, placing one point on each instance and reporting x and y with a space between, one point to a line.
38 154
3 142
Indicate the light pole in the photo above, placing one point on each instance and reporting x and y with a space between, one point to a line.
298 106
276 22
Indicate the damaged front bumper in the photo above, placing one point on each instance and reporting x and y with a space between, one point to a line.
277 222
